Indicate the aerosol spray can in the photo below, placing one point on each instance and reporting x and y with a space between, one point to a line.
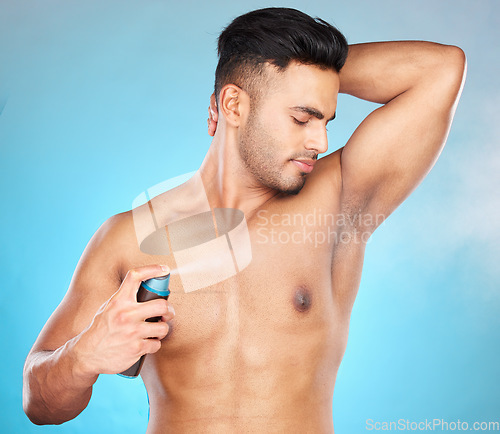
150 289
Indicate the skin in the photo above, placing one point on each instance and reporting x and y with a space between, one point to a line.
263 145
258 352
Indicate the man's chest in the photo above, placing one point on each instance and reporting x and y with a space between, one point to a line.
246 282
282 297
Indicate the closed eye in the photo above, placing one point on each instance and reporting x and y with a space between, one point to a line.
299 122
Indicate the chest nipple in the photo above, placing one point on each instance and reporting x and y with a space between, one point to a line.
302 299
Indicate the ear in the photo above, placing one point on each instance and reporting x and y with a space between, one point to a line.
233 102
213 116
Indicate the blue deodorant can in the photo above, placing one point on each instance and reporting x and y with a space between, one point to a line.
150 289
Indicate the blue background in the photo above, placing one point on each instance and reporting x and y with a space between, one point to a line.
100 100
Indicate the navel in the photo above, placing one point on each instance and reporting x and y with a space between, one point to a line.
302 299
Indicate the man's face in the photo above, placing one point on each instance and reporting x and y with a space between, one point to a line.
286 129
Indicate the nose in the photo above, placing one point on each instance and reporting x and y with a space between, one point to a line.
317 141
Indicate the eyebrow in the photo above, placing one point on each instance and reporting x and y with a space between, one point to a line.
313 112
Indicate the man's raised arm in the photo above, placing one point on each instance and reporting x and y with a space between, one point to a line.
395 147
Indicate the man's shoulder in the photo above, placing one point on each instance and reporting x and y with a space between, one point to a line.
116 229
113 242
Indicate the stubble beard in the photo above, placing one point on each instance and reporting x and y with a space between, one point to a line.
258 151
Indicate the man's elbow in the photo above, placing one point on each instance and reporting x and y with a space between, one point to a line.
445 78
456 59
33 402
30 408
454 67
32 416
37 415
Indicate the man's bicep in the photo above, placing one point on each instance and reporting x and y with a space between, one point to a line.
94 281
395 147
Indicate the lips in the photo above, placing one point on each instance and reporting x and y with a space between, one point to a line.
305 166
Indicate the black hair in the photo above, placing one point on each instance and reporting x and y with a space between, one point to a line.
276 36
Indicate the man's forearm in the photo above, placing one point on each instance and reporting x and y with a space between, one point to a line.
380 71
55 387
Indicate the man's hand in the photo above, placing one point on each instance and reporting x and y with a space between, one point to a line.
118 334
213 116
77 344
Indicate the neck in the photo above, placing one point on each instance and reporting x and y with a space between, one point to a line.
227 181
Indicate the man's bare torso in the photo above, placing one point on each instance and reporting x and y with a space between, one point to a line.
257 351
261 349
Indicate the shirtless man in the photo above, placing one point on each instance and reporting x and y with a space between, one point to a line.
259 351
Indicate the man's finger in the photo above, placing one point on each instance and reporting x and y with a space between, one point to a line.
153 330
154 308
135 276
